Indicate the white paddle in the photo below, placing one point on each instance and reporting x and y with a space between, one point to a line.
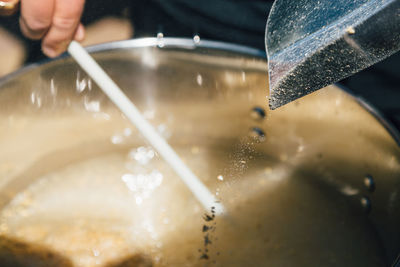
90 66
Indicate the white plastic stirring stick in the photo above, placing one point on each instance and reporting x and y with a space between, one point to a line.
199 190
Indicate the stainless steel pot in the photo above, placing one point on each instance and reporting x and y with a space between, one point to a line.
314 183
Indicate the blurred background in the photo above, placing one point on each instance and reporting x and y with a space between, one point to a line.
236 21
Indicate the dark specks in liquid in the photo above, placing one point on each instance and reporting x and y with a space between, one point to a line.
208 218
208 228
207 240
204 256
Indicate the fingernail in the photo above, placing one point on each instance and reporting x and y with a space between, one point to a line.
80 34
49 51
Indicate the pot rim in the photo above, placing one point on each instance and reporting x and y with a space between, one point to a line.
191 44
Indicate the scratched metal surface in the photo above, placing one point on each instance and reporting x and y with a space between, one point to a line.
311 44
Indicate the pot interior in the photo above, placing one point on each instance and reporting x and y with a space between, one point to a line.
314 183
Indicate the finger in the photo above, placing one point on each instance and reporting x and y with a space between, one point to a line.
65 22
80 33
36 17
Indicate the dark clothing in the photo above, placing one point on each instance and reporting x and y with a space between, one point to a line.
237 21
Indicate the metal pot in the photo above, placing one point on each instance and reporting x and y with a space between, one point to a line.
80 187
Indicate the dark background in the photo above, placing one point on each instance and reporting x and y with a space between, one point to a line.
236 21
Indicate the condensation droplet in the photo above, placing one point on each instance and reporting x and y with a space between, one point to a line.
160 39
196 39
258 134
366 204
369 183
258 113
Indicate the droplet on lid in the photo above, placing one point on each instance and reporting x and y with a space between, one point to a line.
196 39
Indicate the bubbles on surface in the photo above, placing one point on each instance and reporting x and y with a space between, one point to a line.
144 183
220 177
142 154
117 139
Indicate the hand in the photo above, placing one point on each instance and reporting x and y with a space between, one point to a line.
56 22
